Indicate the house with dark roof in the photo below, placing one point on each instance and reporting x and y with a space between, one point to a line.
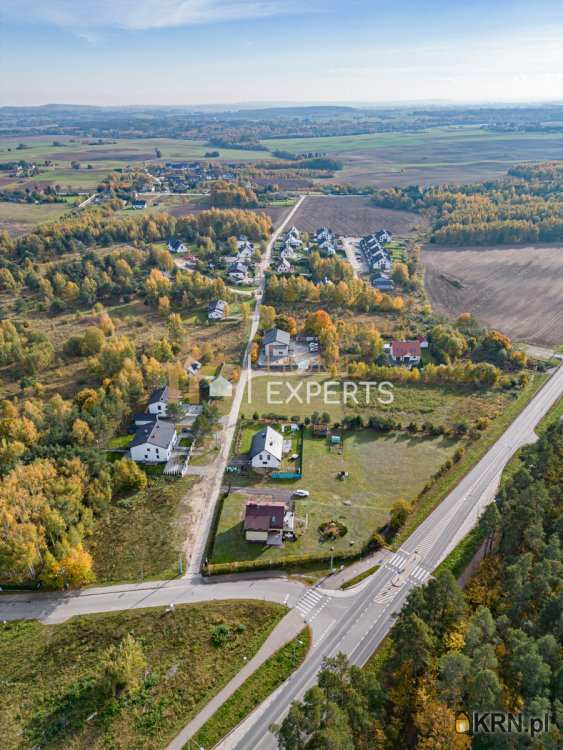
383 283
176 246
266 450
405 352
158 402
267 522
154 442
238 272
276 345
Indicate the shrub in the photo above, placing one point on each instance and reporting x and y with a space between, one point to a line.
332 530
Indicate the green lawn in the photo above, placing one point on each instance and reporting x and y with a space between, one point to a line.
119 441
382 470
52 696
142 536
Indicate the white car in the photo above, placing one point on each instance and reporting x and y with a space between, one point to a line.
301 493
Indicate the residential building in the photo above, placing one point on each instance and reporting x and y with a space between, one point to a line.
139 203
238 272
158 402
267 522
176 246
216 310
276 344
154 442
220 387
266 450
405 352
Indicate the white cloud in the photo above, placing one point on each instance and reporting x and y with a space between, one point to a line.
140 14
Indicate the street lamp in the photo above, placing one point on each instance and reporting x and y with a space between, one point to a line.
331 559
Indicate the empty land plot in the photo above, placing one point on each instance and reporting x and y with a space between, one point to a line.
351 216
17 218
517 290
57 698
295 395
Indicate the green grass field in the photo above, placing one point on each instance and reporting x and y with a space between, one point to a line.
440 404
52 696
253 691
28 215
382 470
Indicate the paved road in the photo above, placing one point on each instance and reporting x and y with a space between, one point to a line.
355 622
57 607
195 560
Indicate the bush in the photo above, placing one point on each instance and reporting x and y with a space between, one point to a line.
221 635
332 530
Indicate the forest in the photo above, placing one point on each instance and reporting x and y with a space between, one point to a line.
494 646
525 206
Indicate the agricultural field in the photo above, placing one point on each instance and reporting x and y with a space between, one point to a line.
19 218
352 216
517 290
383 469
438 155
57 698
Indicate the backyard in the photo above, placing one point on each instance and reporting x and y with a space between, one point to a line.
382 469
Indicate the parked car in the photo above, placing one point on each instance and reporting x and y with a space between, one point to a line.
194 367
294 457
301 493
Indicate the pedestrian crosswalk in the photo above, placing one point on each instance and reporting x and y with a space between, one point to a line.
385 596
419 574
402 562
398 561
311 601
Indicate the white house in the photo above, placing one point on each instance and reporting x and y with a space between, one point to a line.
216 310
176 246
158 402
266 450
284 266
154 443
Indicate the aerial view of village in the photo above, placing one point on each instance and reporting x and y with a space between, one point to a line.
281 348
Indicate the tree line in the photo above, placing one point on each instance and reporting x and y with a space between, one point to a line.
524 206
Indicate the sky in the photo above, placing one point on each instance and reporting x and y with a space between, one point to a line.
197 52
